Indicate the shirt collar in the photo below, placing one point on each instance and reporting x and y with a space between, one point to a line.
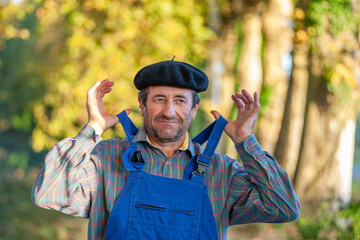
187 144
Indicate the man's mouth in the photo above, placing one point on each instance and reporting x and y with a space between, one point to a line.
168 121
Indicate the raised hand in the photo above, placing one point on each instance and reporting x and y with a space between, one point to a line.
99 119
248 110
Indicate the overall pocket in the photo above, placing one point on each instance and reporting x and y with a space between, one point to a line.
161 219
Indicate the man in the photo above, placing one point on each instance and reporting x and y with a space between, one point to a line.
84 176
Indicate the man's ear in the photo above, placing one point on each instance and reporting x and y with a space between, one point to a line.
194 110
141 106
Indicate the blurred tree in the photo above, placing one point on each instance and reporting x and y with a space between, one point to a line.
223 52
327 141
92 40
249 67
20 80
288 145
235 55
10 21
276 23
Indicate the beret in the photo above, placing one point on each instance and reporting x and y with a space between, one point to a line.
171 73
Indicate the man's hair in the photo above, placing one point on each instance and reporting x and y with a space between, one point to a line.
143 96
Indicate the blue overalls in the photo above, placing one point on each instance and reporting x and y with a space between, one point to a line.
160 208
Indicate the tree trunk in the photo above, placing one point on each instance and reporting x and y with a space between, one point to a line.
324 169
288 145
278 37
249 67
222 82
219 68
242 55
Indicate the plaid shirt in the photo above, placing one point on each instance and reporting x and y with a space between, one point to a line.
83 176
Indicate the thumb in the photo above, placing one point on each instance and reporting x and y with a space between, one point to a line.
128 111
216 114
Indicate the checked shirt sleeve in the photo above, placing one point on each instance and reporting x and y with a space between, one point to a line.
68 180
260 191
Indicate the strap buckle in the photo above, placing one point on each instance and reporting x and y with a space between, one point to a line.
137 157
201 168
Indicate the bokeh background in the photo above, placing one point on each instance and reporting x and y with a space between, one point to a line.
302 56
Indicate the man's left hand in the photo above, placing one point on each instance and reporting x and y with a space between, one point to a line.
248 110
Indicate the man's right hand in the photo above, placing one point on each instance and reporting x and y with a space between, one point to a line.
99 119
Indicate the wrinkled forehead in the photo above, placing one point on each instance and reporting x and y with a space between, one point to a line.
169 91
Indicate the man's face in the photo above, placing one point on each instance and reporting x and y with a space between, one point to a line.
168 113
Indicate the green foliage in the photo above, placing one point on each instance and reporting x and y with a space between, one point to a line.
352 213
19 160
265 96
335 15
20 79
22 121
21 219
197 126
10 25
238 49
329 224
331 27
72 44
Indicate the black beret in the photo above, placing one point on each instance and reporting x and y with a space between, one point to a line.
172 73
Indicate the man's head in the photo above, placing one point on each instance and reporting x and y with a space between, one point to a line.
168 98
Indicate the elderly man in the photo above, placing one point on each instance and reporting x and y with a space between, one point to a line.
89 177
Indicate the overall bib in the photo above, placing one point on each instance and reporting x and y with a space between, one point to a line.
159 208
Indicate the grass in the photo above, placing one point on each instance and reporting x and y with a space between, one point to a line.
21 219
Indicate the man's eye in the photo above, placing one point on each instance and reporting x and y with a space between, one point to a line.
180 100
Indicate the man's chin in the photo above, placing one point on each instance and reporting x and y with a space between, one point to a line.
168 136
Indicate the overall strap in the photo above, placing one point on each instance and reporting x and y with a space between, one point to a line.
196 168
131 157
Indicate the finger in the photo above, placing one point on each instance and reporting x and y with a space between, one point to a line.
256 99
238 102
105 85
104 88
242 97
247 95
94 86
102 93
102 84
128 111
216 114
105 81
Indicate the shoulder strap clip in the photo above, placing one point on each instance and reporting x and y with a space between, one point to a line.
202 166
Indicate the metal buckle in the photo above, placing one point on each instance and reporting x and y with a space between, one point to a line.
137 157
201 169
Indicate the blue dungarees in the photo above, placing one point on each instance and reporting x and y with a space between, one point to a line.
159 208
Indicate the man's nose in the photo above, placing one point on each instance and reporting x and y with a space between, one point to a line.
169 109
